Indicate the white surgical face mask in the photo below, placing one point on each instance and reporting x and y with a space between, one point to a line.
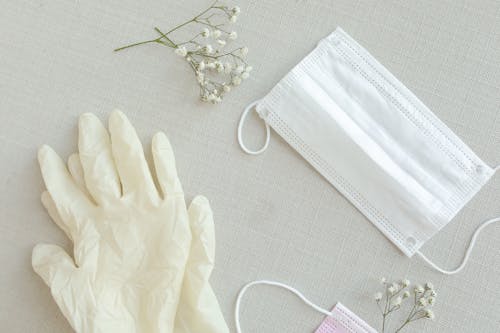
375 141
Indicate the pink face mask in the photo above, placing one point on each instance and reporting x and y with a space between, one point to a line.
342 320
339 320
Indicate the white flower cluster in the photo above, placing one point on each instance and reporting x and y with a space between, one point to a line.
217 70
426 298
397 292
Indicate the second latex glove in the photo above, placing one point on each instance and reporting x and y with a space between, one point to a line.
131 245
198 309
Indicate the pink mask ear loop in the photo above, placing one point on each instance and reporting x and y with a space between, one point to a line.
275 284
240 130
469 249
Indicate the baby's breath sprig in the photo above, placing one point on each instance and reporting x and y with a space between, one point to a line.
395 293
217 69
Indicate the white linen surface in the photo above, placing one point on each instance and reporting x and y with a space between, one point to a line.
276 218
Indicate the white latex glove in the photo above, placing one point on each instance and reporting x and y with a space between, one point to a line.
198 309
130 244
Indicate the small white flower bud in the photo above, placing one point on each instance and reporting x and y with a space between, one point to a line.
216 33
397 301
383 280
422 302
431 300
209 49
378 296
236 10
201 65
418 289
244 51
406 294
236 80
227 88
429 314
429 286
405 283
228 67
248 69
233 18
220 67
233 35
221 42
239 69
200 77
391 290
245 75
181 51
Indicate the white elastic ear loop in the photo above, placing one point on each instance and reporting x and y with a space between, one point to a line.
276 284
240 130
467 253
469 249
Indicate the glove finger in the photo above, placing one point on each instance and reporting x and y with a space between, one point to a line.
164 161
76 171
94 145
51 208
202 254
53 265
69 200
199 310
129 158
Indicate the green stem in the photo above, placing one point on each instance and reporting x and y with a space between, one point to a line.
136 44
206 10
191 41
411 315
164 35
407 321
402 326
388 298
385 310
180 26
192 20
208 24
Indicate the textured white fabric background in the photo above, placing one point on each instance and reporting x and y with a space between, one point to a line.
276 217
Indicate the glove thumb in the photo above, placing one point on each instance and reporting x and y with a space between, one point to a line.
202 255
53 265
198 309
